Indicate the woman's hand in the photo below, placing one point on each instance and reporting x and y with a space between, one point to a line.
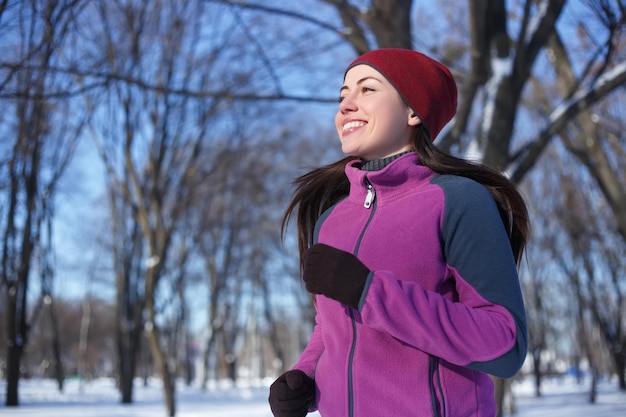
292 394
334 273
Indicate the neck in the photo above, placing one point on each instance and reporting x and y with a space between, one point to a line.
378 164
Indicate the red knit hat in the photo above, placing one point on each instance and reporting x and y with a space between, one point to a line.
425 84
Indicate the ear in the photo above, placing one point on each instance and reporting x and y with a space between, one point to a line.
413 119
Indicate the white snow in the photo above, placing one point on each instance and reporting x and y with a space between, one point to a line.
501 68
580 95
473 152
542 9
99 398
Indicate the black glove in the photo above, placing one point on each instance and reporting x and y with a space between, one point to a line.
292 394
334 273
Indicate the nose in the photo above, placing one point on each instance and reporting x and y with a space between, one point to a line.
347 103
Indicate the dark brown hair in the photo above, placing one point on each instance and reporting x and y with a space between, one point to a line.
321 188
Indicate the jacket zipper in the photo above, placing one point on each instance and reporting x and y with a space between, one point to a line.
433 370
370 199
371 195
350 371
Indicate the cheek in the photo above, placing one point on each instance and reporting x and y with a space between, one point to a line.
338 119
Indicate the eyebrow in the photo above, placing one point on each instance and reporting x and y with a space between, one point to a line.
361 81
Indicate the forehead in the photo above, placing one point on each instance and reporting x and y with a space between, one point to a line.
361 72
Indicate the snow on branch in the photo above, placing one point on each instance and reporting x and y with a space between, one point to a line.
579 102
501 68
584 98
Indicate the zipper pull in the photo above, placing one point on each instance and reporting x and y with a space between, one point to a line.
369 199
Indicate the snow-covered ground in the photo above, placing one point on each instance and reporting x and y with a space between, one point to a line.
99 398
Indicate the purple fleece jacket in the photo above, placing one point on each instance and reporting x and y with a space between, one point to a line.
442 307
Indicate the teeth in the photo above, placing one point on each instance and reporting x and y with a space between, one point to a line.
352 125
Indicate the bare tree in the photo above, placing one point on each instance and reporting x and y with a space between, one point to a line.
156 160
95 357
238 235
594 137
595 271
127 251
41 142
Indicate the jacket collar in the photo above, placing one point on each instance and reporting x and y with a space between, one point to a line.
403 174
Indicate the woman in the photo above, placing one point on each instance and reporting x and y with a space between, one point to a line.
411 255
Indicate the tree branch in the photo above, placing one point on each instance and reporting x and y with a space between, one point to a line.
106 78
580 102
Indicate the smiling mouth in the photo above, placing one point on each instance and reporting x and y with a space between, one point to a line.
348 127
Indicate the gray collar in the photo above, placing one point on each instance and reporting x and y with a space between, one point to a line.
378 164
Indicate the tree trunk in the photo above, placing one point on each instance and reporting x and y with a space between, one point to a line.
83 337
162 365
128 366
231 367
59 374
128 348
617 353
499 394
188 359
593 392
537 372
620 367
126 378
503 396
159 356
13 374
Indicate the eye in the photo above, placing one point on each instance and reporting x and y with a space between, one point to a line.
340 99
366 89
